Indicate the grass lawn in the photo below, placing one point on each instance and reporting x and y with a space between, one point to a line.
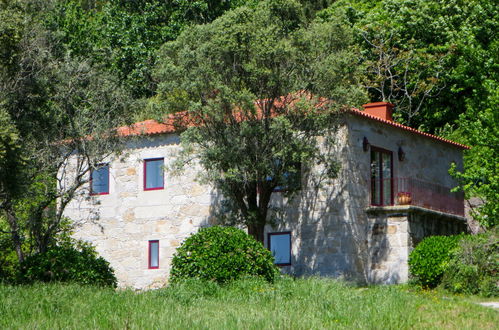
289 304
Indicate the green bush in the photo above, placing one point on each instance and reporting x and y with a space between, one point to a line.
8 261
79 264
221 254
429 260
474 266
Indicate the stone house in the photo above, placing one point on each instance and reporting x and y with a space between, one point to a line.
393 189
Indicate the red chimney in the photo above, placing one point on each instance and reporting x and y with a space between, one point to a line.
381 110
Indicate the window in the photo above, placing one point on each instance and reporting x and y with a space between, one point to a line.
99 180
153 174
153 254
381 177
290 180
280 247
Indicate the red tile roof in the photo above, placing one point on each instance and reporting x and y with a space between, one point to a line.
146 127
152 127
405 128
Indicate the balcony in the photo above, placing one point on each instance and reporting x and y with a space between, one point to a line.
410 191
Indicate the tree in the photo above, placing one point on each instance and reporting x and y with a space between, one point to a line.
449 45
125 35
481 176
247 81
53 107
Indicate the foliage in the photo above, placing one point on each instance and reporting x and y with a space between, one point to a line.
123 36
79 264
481 175
221 254
474 266
430 259
252 100
8 259
451 45
52 103
301 303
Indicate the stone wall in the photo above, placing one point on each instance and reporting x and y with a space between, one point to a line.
394 231
121 223
333 235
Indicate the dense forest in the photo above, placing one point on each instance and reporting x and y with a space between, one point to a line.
74 68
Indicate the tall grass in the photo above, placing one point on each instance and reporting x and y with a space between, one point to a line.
248 304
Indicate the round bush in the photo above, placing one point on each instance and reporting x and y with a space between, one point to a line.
429 260
221 254
68 264
474 266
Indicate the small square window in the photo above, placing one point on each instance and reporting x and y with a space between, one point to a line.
289 180
153 254
280 246
153 174
99 180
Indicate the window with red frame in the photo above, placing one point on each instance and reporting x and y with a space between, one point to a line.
381 177
153 254
99 180
280 247
153 174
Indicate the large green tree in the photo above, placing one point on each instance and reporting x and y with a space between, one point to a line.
52 107
246 81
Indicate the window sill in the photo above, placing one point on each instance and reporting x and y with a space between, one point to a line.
150 189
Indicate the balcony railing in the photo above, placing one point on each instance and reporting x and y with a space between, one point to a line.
410 191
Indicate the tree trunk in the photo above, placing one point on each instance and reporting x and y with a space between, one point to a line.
257 231
14 233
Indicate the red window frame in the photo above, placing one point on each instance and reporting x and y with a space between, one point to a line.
145 174
150 255
290 244
92 193
381 151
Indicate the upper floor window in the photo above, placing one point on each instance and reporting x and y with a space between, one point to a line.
280 246
153 174
381 176
99 180
289 180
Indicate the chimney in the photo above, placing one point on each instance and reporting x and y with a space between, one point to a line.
381 110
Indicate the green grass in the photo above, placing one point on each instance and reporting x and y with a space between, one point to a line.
249 304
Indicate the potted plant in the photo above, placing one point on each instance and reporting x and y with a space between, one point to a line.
404 198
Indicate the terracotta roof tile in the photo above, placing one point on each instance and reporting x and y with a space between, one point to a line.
152 127
406 128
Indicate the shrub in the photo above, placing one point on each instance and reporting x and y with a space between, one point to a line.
430 258
221 254
474 266
8 260
79 264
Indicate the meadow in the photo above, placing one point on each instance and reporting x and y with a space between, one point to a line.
246 304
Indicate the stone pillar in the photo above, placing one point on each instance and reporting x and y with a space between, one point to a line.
388 244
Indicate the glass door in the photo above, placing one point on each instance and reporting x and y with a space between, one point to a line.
381 177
